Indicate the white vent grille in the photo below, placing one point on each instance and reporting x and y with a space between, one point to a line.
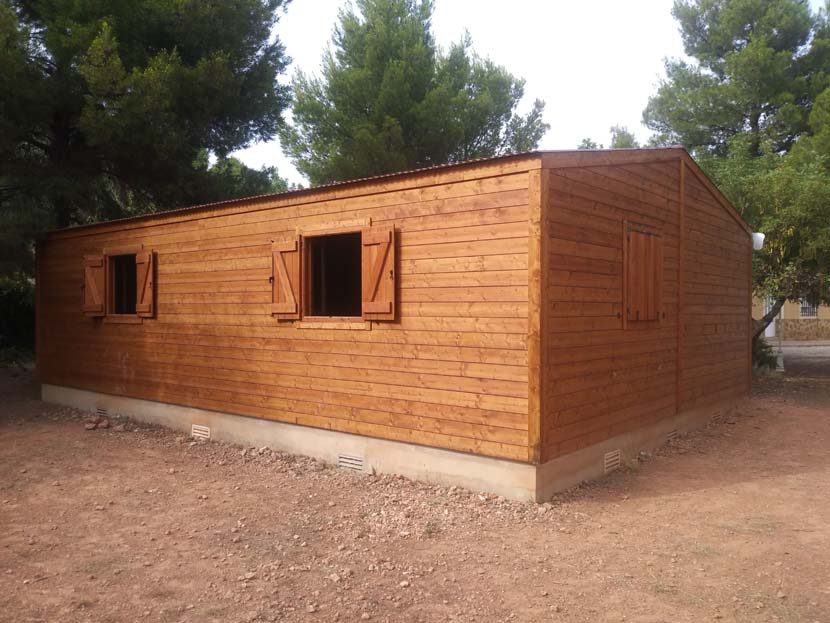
102 412
611 461
197 431
350 462
672 435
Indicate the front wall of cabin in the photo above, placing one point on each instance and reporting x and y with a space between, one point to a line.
606 375
451 370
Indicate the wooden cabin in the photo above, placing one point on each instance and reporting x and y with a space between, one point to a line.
512 325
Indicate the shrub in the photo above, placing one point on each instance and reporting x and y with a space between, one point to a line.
763 355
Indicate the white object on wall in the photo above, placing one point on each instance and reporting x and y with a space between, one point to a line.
758 240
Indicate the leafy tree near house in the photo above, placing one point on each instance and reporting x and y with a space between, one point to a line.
754 109
107 108
588 143
623 138
388 99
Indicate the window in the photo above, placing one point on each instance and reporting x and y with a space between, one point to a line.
122 284
342 275
643 275
808 309
119 285
334 275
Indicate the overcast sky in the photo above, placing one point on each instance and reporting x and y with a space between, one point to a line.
593 63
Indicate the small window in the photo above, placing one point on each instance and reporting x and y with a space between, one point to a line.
334 275
123 284
808 309
644 276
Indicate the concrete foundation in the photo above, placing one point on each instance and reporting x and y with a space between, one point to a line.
517 481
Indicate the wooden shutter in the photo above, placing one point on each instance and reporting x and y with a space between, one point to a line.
144 284
644 276
378 273
285 279
94 285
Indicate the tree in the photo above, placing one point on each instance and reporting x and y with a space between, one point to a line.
751 76
588 143
107 106
389 99
622 138
754 109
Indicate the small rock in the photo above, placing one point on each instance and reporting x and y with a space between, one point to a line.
119 428
403 584
365 616
334 578
311 608
782 595
98 507
90 426
104 423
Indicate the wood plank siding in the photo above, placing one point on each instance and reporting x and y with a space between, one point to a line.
522 307
450 370
609 370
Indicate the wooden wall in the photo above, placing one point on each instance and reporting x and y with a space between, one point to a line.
603 376
450 372
717 261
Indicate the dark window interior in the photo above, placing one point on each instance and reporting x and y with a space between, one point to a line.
334 279
123 284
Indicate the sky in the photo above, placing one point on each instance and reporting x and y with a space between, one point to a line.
594 62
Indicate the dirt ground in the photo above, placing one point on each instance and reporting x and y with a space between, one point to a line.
729 523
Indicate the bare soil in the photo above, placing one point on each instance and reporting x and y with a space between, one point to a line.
729 523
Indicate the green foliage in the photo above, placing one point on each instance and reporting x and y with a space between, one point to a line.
755 110
763 356
622 138
389 99
587 143
17 318
759 65
107 106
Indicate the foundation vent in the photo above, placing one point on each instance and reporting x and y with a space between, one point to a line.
197 431
674 434
354 463
102 412
611 461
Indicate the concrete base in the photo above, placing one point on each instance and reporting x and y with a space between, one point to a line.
517 481
589 463
512 480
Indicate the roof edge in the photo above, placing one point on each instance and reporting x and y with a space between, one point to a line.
229 203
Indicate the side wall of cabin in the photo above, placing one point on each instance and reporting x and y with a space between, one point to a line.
451 370
608 372
715 344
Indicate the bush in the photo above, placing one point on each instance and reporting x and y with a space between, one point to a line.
763 355
17 318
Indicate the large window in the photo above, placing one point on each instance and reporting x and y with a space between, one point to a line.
334 275
122 284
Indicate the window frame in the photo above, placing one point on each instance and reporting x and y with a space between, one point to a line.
812 309
305 276
109 315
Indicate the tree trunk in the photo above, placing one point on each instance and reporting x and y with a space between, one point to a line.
763 323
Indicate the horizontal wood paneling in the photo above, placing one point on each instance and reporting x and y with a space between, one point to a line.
451 371
604 379
716 294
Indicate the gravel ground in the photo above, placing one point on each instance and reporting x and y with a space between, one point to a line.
132 523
